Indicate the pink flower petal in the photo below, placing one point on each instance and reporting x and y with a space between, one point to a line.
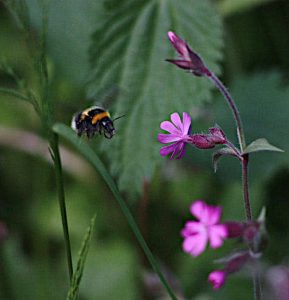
167 149
179 45
168 138
182 151
195 244
199 210
217 234
177 121
214 214
168 126
186 123
179 150
192 228
207 214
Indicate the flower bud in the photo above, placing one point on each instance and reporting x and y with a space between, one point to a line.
189 59
202 141
234 229
217 278
218 135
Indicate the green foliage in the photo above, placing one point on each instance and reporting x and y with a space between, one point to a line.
77 275
263 103
92 157
229 7
260 145
129 51
70 25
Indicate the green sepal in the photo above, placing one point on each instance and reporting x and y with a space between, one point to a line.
219 153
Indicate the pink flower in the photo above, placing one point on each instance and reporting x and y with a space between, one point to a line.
197 234
178 135
189 59
217 278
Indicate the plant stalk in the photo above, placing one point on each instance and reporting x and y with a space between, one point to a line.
220 86
246 195
245 160
61 198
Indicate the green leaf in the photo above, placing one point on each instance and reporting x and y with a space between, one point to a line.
76 278
219 153
129 51
71 24
92 157
260 145
229 7
262 99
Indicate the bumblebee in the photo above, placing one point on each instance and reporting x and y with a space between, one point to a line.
93 120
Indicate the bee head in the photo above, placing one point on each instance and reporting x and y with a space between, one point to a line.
108 128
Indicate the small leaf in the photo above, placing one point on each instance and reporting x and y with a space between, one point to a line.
262 100
219 153
261 145
76 278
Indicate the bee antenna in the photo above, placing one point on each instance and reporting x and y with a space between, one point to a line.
118 118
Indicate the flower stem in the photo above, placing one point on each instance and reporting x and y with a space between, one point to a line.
244 161
246 195
220 86
61 198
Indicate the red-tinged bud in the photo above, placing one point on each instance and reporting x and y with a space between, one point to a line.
234 229
251 229
189 59
237 261
217 278
218 135
202 141
180 45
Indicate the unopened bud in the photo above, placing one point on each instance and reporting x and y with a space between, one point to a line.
202 141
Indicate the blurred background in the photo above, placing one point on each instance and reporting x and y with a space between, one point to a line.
245 42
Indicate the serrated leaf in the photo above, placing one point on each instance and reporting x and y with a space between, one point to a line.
219 153
129 50
261 145
77 275
262 99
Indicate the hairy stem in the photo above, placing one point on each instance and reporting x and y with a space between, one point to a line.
220 86
246 195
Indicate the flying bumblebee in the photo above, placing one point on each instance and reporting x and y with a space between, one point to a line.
93 120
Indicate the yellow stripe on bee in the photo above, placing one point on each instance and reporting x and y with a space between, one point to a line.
99 116
84 114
